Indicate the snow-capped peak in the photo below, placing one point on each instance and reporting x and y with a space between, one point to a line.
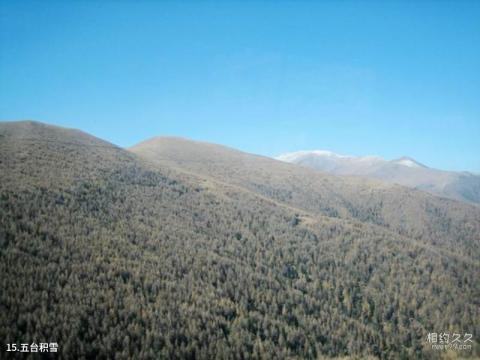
406 161
294 156
291 157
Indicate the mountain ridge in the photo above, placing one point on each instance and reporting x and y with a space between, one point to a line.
406 171
181 249
348 197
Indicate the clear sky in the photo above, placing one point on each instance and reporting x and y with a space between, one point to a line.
359 78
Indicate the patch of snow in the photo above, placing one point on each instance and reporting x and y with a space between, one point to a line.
292 157
408 162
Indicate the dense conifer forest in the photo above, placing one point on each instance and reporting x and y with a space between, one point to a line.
116 254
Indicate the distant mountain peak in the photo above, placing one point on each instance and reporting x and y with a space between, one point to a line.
289 157
408 161
404 171
293 156
304 154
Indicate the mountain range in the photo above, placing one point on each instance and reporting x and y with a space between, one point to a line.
405 171
178 249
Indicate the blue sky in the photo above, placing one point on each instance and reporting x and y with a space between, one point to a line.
359 78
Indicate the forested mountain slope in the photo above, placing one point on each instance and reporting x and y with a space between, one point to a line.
429 219
111 255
